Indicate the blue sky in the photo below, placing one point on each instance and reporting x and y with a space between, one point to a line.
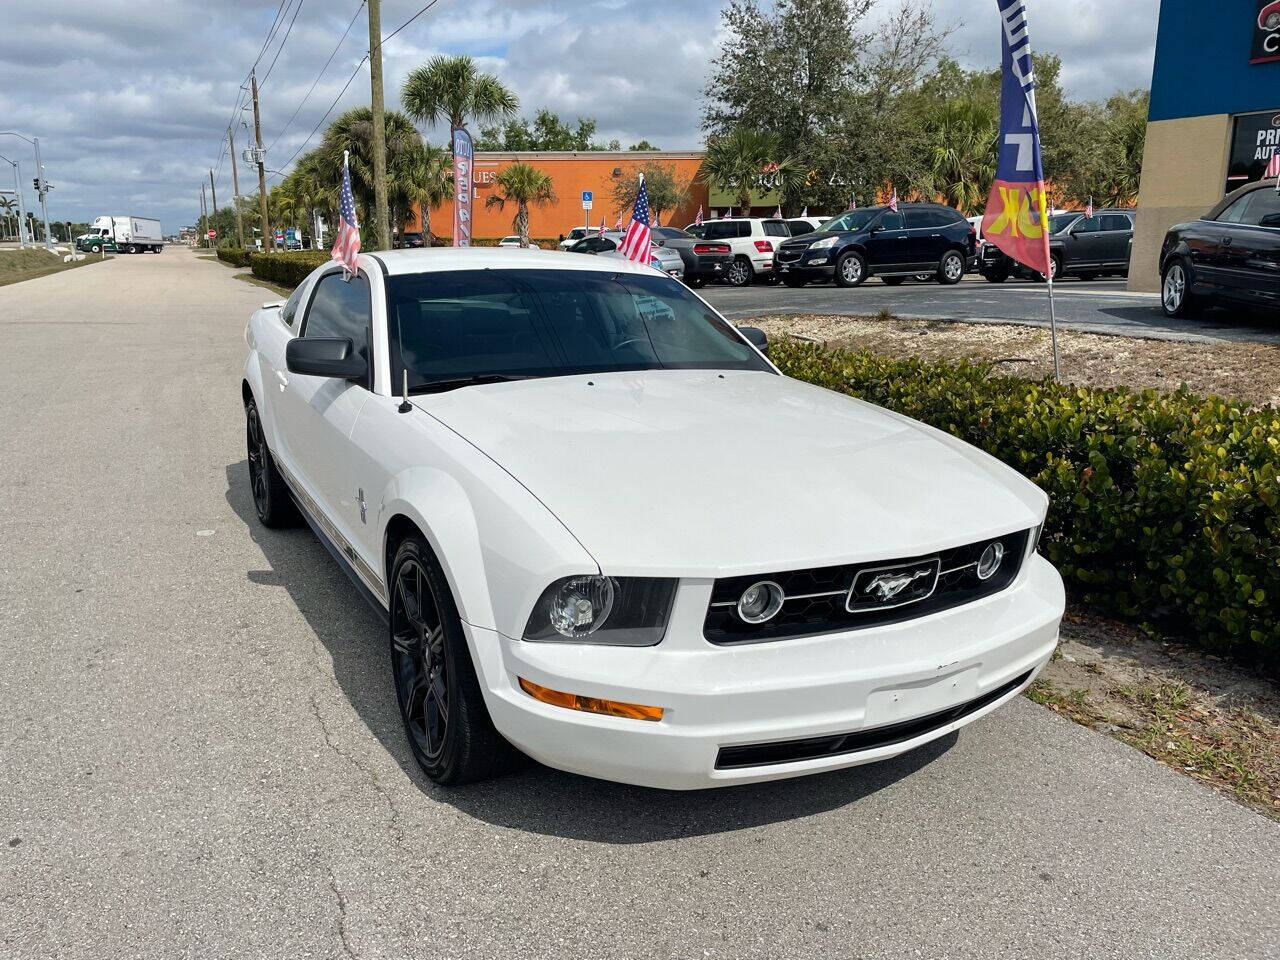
130 106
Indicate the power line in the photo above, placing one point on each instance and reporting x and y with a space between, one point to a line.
279 49
410 20
327 112
319 75
270 33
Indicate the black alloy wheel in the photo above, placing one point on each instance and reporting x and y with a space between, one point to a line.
441 704
271 497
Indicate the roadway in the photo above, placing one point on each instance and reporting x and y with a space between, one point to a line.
1098 306
201 755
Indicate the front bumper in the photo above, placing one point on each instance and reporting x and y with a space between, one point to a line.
810 265
720 698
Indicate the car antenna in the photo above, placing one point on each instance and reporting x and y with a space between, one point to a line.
405 405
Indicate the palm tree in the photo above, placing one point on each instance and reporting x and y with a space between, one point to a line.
960 164
737 162
428 184
8 209
453 89
522 185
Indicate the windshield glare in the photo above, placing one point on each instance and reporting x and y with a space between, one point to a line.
545 323
852 220
1060 221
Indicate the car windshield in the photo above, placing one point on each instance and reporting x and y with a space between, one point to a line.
544 323
852 220
1060 221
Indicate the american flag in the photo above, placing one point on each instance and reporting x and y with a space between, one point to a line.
1273 166
618 225
804 212
777 214
697 217
601 233
636 243
346 248
893 200
1088 208
853 204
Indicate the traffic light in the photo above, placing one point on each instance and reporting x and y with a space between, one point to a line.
35 182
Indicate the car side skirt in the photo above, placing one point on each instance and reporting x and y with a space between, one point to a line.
350 562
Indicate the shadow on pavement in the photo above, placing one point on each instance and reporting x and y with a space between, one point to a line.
536 799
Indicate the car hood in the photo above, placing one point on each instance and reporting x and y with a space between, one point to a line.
699 473
808 238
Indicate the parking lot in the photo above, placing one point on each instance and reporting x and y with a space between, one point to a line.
1099 306
202 754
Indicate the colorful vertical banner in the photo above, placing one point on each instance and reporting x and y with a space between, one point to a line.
1016 220
463 158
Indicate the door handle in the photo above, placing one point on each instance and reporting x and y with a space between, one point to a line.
1226 241
284 381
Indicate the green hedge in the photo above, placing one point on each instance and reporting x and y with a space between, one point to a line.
1165 507
287 268
234 256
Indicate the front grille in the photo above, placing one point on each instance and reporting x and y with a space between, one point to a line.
790 254
816 598
813 748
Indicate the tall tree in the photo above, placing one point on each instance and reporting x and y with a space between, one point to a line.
523 185
960 162
666 191
546 132
454 89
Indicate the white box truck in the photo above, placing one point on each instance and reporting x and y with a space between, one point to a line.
122 235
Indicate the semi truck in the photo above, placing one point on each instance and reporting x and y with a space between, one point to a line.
122 235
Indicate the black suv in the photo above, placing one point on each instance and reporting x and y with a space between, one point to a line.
1085 247
1230 255
919 238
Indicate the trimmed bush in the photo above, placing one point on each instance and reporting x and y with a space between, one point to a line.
287 268
1165 507
234 256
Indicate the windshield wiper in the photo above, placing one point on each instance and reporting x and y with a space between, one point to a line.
440 386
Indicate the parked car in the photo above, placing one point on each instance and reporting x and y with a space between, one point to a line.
752 241
1230 255
667 260
799 226
411 239
704 260
516 242
1079 246
605 531
576 234
875 241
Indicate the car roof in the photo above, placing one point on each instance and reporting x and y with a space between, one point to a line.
434 259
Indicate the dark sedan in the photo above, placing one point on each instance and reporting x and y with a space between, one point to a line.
918 238
1230 255
704 260
1080 246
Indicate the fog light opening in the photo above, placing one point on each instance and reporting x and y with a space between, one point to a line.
760 602
990 560
573 701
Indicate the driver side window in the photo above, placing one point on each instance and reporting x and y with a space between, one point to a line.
340 308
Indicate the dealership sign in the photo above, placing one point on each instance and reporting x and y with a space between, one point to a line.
463 158
1266 32
1255 140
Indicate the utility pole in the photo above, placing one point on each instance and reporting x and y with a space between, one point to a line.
213 191
262 167
235 187
204 216
381 236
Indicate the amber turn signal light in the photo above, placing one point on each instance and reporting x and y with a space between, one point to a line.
571 701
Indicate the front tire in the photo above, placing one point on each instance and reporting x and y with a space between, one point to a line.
851 270
96 248
271 497
1175 290
445 719
741 273
950 268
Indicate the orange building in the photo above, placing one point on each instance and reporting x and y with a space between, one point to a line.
571 173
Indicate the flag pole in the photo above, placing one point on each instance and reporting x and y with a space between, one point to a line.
1048 266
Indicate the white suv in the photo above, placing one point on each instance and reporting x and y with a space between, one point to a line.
752 241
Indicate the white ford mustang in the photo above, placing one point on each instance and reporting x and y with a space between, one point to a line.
604 529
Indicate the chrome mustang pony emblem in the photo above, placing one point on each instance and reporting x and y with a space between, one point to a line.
889 585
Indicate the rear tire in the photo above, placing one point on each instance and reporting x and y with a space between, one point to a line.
442 706
951 268
740 273
271 497
1176 299
851 270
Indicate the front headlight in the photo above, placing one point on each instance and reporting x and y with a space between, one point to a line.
823 244
618 611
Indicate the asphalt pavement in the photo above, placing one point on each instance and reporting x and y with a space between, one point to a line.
1099 306
200 753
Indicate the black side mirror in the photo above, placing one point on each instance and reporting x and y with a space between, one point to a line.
1270 220
759 339
325 357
